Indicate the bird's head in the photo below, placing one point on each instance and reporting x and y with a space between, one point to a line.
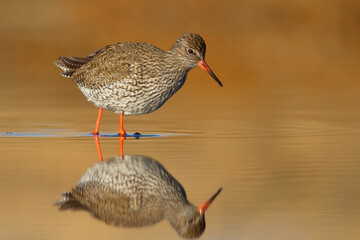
190 221
190 49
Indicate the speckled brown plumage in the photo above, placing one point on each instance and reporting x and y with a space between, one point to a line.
135 78
134 191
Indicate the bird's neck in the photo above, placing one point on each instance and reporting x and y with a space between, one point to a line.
175 213
175 61
176 48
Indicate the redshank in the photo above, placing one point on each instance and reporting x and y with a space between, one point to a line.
131 78
136 191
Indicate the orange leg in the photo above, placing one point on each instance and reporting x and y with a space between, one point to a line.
98 148
121 144
121 127
96 132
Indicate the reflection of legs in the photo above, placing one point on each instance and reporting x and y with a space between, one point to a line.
96 131
98 148
121 125
121 148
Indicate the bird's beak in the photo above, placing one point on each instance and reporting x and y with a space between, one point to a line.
202 208
206 67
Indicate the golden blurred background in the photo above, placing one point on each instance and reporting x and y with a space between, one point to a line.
271 40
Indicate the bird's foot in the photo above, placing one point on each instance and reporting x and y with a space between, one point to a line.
122 133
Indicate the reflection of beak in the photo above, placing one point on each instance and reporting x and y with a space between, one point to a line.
206 67
202 208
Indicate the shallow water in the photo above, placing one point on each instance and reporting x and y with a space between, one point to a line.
285 171
281 137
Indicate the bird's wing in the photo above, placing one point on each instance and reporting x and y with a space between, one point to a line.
120 62
126 189
96 197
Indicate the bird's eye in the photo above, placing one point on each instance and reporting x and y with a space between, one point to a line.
190 221
190 51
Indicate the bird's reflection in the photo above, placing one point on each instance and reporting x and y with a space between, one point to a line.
98 148
135 191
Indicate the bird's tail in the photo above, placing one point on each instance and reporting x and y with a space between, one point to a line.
68 201
70 64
